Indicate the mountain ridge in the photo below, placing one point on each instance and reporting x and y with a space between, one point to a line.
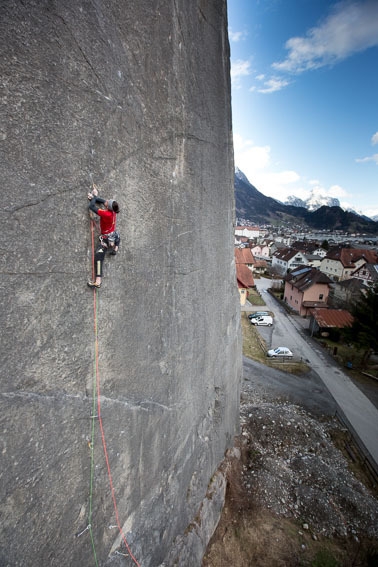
313 202
250 203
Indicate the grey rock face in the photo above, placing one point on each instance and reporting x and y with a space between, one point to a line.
137 100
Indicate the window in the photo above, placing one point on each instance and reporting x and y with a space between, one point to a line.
320 296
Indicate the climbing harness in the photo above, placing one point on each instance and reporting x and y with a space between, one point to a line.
97 417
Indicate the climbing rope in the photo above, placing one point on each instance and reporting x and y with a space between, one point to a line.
92 469
97 395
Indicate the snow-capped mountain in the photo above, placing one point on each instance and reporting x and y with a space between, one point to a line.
240 175
253 205
314 202
295 202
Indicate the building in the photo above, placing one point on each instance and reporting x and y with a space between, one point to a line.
261 251
306 288
340 263
248 231
286 259
344 294
244 256
245 281
367 273
327 322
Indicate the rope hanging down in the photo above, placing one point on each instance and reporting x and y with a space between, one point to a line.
97 394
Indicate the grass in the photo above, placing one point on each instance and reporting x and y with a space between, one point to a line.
324 558
255 347
254 297
347 353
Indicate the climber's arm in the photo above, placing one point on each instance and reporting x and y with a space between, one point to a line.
94 198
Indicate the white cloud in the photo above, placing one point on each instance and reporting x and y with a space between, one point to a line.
249 155
272 85
350 28
256 163
240 143
335 191
371 212
373 158
374 139
239 68
237 36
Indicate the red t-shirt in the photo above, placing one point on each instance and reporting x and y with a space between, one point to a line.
107 221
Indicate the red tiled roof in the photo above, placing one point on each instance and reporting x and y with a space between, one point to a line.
244 276
244 256
332 317
349 256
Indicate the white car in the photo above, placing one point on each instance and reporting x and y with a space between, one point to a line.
280 351
264 320
258 314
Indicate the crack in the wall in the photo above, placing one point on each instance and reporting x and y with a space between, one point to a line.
22 394
81 51
16 208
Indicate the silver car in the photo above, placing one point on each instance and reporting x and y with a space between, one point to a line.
280 351
266 320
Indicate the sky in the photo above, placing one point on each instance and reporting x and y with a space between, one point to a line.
304 77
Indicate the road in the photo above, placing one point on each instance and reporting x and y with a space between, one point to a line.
288 331
307 390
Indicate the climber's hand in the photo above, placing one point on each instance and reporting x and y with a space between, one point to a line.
90 196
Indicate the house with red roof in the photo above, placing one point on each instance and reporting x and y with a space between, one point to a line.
245 281
244 256
328 322
305 289
340 263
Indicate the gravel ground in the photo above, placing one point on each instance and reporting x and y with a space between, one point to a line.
293 495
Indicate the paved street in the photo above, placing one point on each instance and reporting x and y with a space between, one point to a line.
288 331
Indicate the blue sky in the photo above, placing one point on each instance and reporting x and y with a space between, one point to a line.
305 98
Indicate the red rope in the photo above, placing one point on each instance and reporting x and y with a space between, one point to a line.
99 412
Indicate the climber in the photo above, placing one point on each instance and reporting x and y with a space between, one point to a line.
109 237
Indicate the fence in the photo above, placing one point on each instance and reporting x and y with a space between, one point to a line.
367 461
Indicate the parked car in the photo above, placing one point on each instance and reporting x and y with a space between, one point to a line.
258 314
280 351
267 320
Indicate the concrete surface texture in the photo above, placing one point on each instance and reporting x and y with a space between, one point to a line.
138 101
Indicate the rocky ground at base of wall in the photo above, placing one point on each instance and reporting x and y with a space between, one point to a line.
295 497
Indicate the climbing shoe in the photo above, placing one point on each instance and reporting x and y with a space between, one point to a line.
93 285
113 252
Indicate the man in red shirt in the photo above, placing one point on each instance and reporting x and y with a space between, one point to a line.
109 237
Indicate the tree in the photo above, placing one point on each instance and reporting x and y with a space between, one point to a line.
364 330
325 245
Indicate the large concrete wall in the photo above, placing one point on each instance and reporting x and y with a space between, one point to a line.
136 97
